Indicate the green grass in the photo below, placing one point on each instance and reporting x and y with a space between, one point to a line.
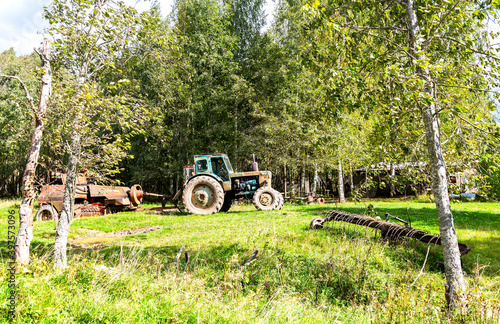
340 274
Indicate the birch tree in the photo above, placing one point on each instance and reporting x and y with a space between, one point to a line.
25 233
90 36
425 50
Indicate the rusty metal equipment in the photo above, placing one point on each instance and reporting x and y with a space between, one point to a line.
90 199
211 185
388 230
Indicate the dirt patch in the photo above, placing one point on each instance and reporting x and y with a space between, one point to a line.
138 231
97 237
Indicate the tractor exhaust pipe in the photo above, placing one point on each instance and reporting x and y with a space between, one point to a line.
255 166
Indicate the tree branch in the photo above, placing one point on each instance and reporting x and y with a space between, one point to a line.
375 27
441 21
464 87
472 49
30 100
388 40
470 123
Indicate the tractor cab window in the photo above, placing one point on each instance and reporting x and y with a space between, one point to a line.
201 165
228 164
219 168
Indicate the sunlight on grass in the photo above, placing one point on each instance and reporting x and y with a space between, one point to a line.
340 274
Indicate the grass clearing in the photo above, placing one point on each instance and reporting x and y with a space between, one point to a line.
121 268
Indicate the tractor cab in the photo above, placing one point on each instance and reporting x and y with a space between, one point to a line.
216 164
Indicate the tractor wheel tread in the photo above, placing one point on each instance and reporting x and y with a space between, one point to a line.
228 201
281 200
257 199
217 191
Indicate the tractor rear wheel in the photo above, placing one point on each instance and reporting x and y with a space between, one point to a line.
203 195
265 198
228 201
46 212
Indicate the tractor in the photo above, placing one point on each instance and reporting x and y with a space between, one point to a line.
211 185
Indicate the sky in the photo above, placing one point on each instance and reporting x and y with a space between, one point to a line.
21 21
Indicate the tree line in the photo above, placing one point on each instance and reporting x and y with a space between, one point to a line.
307 95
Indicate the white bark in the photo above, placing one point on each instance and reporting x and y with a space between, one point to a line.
302 189
451 254
67 212
315 181
25 233
341 184
284 171
391 181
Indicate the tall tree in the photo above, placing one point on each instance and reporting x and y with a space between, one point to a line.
25 233
417 60
16 122
90 36
247 19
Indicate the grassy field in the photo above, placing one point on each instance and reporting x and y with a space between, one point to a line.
121 268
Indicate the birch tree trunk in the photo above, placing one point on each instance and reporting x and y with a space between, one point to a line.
284 171
351 181
67 212
341 184
302 189
315 184
25 233
451 254
391 180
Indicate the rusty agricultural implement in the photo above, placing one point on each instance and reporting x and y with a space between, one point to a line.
90 199
387 229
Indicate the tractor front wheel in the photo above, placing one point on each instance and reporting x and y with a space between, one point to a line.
265 198
281 200
203 195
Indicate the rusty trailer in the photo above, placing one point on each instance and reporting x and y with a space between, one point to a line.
90 199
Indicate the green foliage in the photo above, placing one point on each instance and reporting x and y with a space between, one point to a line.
90 111
106 124
16 118
490 170
329 81
365 43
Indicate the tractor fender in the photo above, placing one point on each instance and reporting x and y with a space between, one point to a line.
219 179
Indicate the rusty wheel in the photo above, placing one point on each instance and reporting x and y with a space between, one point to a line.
265 198
203 195
46 212
136 194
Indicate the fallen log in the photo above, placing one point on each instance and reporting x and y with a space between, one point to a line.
388 230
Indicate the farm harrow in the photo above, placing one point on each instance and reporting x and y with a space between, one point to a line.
391 231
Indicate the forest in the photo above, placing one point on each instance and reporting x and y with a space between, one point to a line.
315 91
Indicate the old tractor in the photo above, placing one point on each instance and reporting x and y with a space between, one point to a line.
211 185
90 199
